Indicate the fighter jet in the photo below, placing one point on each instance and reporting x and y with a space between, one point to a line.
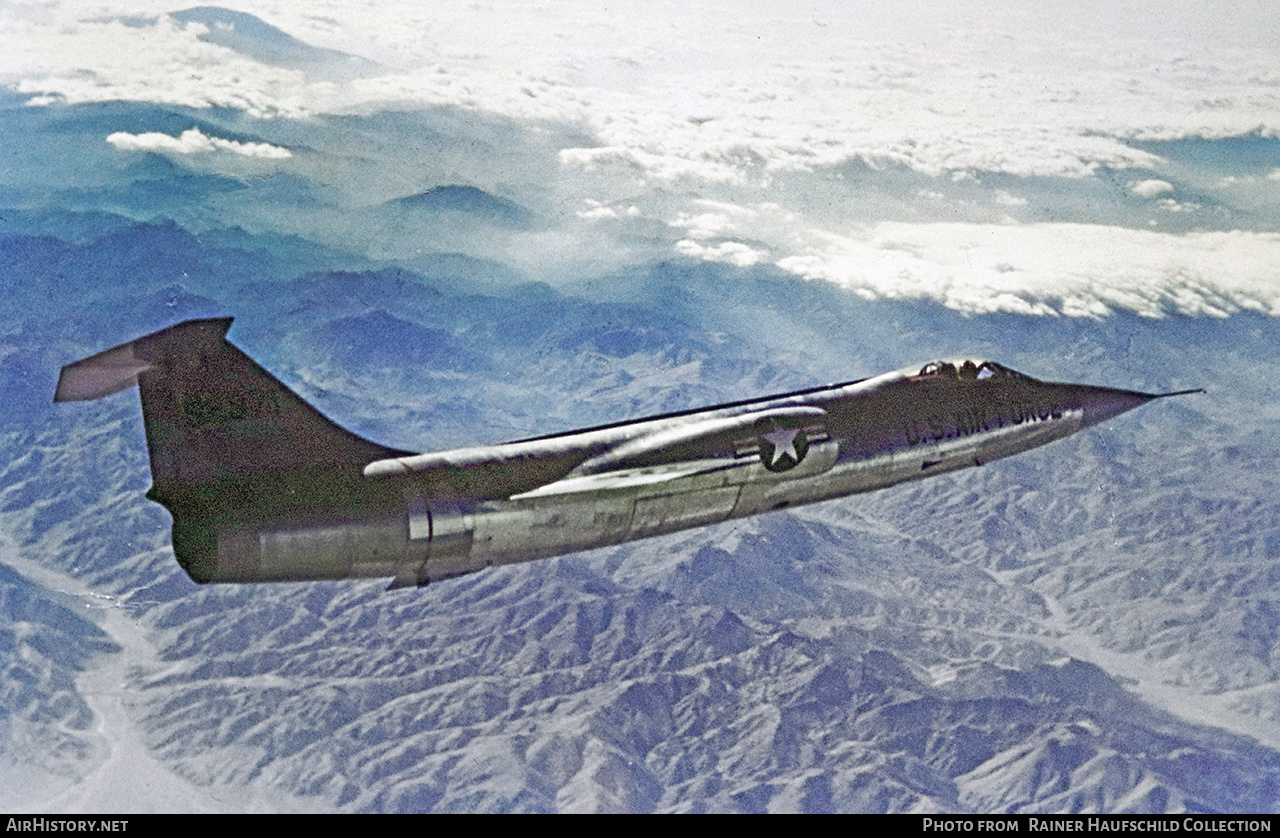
262 487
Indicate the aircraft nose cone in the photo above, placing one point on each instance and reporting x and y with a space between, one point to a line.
1103 403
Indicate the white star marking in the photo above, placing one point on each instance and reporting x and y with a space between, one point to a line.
784 444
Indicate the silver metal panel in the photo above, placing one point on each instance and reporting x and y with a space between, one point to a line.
516 531
673 512
311 552
419 517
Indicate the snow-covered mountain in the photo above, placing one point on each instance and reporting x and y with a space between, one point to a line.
1090 626
1086 627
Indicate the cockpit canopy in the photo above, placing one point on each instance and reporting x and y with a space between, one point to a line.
969 369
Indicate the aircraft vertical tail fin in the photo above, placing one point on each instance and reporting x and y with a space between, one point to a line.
213 415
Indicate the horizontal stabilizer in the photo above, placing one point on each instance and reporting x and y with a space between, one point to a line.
118 368
105 373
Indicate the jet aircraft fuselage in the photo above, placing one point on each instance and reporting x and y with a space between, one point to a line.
262 487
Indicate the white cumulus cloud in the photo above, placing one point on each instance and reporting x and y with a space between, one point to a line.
194 141
1052 269
731 252
1151 188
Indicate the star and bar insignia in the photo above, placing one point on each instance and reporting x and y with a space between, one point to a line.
782 448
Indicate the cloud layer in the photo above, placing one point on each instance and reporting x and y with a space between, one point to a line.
1056 269
992 157
674 91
